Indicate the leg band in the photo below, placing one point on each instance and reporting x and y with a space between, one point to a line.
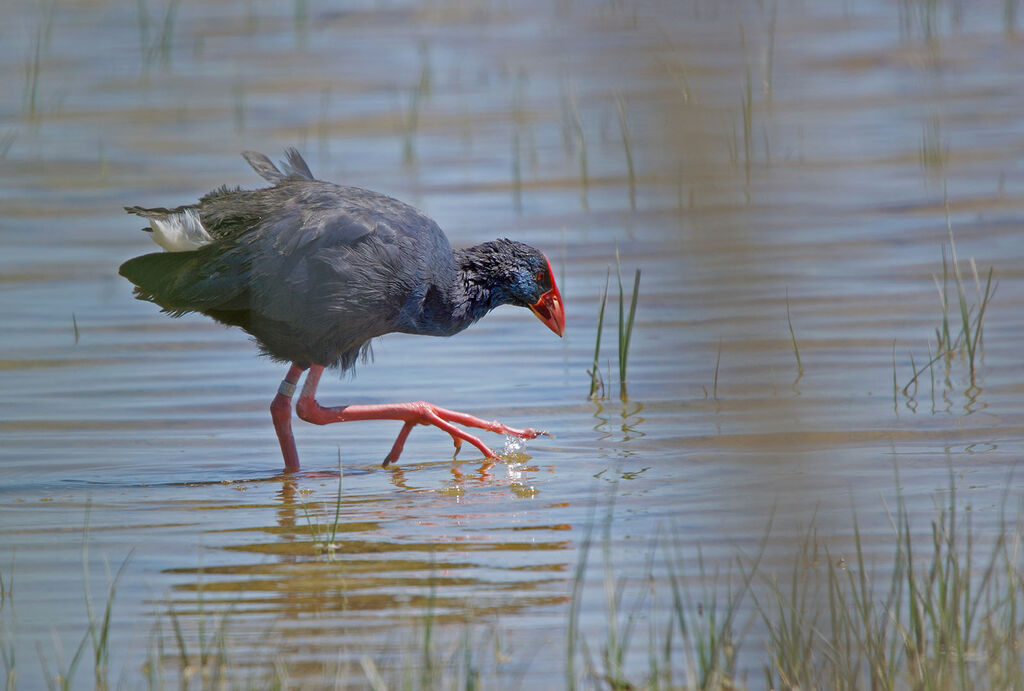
287 388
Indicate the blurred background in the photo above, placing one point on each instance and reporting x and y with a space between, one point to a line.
824 202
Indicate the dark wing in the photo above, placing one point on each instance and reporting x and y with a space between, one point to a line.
312 270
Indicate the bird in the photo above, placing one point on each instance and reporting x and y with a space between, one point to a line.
314 271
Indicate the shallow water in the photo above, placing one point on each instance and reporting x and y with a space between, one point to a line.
153 436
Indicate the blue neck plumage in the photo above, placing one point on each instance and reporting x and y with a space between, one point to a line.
476 288
479 285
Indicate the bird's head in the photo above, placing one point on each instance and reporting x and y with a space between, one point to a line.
522 276
536 286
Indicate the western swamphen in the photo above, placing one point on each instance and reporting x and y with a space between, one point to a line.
314 271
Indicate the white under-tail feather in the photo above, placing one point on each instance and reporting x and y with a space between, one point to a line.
180 232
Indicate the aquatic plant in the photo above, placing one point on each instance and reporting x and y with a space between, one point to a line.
792 336
33 65
417 97
968 338
576 125
946 612
934 152
718 366
626 145
769 55
6 141
596 382
158 48
97 632
208 657
747 110
324 537
925 625
625 323
625 331
7 654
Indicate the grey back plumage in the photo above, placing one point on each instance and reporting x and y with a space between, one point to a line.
311 269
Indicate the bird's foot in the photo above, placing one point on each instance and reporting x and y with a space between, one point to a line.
423 413
468 420
396 448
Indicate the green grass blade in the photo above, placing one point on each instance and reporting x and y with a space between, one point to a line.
624 361
981 315
595 373
622 307
624 128
337 504
792 335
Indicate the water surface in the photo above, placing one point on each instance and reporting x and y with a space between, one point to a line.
812 162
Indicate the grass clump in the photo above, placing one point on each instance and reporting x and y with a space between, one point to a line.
198 651
98 628
946 611
693 640
961 334
324 536
625 332
930 625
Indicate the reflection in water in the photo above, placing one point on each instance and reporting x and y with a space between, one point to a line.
943 389
613 475
628 423
377 572
973 405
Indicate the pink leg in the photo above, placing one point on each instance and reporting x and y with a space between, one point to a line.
412 414
281 414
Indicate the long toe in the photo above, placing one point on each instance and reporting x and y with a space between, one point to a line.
396 448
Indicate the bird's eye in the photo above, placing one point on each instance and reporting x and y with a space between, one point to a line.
540 276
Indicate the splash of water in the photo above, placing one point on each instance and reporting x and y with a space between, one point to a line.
513 444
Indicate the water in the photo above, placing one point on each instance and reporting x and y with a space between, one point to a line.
128 437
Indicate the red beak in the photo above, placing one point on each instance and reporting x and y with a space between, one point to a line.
549 308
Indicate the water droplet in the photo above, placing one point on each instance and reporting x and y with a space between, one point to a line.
514 444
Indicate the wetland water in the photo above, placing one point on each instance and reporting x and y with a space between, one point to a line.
800 149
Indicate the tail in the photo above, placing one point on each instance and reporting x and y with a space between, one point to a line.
176 230
181 282
294 166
